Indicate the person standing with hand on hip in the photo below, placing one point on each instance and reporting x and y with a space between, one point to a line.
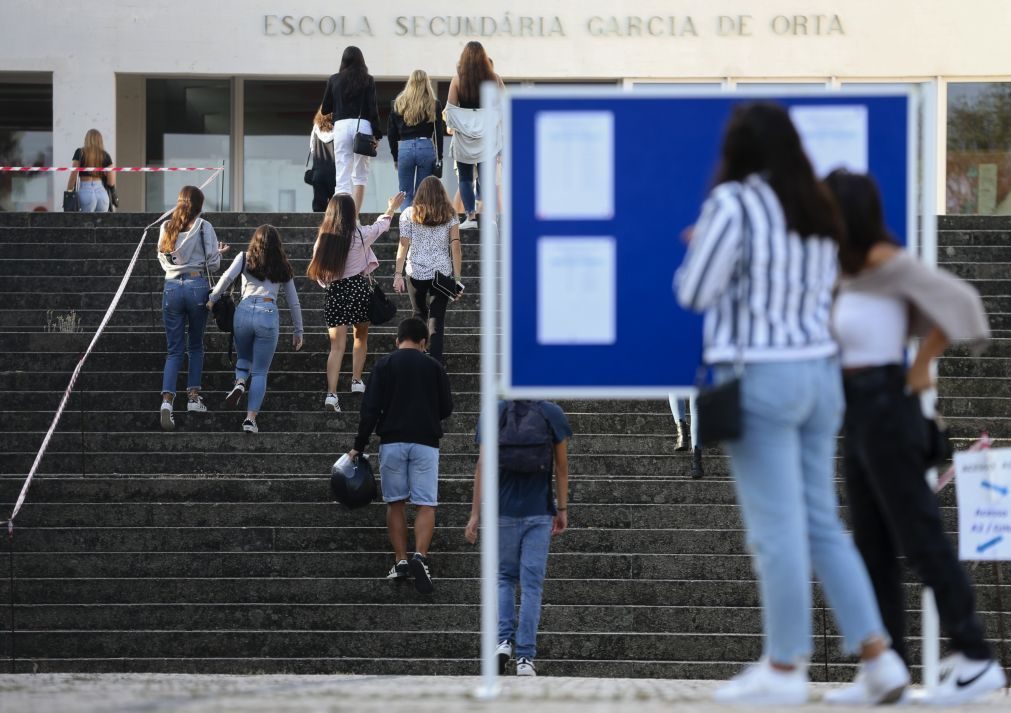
533 443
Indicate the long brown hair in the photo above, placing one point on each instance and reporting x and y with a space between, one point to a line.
473 68
93 153
265 256
188 207
760 138
323 122
334 237
860 205
431 204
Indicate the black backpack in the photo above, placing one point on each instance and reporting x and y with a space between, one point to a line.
525 440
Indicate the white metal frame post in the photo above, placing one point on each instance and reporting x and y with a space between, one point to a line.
931 624
491 100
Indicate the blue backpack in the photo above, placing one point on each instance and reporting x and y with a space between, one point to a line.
525 442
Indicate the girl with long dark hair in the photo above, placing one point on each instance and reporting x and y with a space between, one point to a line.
265 271
350 96
885 297
468 123
429 243
342 259
188 249
761 264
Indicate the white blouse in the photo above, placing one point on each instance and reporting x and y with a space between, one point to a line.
429 250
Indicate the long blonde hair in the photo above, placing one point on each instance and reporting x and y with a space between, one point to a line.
93 154
416 103
188 207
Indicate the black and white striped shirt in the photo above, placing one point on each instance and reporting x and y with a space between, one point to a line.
788 279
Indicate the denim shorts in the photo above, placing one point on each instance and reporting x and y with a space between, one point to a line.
409 471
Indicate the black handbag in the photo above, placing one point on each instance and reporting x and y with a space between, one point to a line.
381 308
939 447
72 199
719 410
224 309
363 144
446 285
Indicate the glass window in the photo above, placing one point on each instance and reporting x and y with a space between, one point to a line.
979 148
646 86
278 121
26 139
188 124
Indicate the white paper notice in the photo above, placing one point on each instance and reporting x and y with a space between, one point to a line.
983 486
575 165
833 137
576 291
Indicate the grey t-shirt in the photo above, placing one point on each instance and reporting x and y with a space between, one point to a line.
195 249
252 287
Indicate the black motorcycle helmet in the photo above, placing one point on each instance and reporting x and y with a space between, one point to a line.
353 483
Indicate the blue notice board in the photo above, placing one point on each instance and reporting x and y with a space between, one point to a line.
630 338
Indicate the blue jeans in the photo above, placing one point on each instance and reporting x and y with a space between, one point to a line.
784 476
415 163
522 559
184 304
256 329
470 185
93 197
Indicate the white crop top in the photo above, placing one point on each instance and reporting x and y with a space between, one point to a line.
871 329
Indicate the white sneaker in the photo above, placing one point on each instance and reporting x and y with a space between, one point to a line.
762 685
878 682
195 404
525 667
469 224
504 652
357 386
967 681
235 395
168 421
332 404
249 426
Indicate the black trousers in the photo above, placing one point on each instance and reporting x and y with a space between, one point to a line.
895 512
434 314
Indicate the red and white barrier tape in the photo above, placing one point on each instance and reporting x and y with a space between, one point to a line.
80 364
106 169
981 444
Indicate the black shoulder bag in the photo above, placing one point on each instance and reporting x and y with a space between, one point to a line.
436 140
72 199
381 308
719 410
364 144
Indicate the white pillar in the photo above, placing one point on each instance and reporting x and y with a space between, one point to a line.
82 99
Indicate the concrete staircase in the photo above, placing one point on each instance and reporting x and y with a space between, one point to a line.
207 550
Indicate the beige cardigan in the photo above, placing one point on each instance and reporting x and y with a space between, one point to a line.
935 298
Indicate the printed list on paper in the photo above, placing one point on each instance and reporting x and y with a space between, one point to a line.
576 290
575 165
833 137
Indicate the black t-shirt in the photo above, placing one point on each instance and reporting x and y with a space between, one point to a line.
361 104
398 130
106 161
407 399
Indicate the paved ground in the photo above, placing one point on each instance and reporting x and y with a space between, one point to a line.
151 693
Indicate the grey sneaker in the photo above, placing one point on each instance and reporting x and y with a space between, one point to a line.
168 421
235 395
504 653
525 667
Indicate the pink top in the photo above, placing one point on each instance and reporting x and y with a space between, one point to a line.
361 258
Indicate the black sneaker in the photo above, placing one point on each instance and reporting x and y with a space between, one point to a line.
698 472
681 437
400 571
422 575
235 395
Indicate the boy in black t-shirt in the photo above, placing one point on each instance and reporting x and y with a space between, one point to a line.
529 516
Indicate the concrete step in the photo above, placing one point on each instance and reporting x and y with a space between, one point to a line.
137 221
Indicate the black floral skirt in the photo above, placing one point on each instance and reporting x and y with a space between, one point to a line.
347 301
